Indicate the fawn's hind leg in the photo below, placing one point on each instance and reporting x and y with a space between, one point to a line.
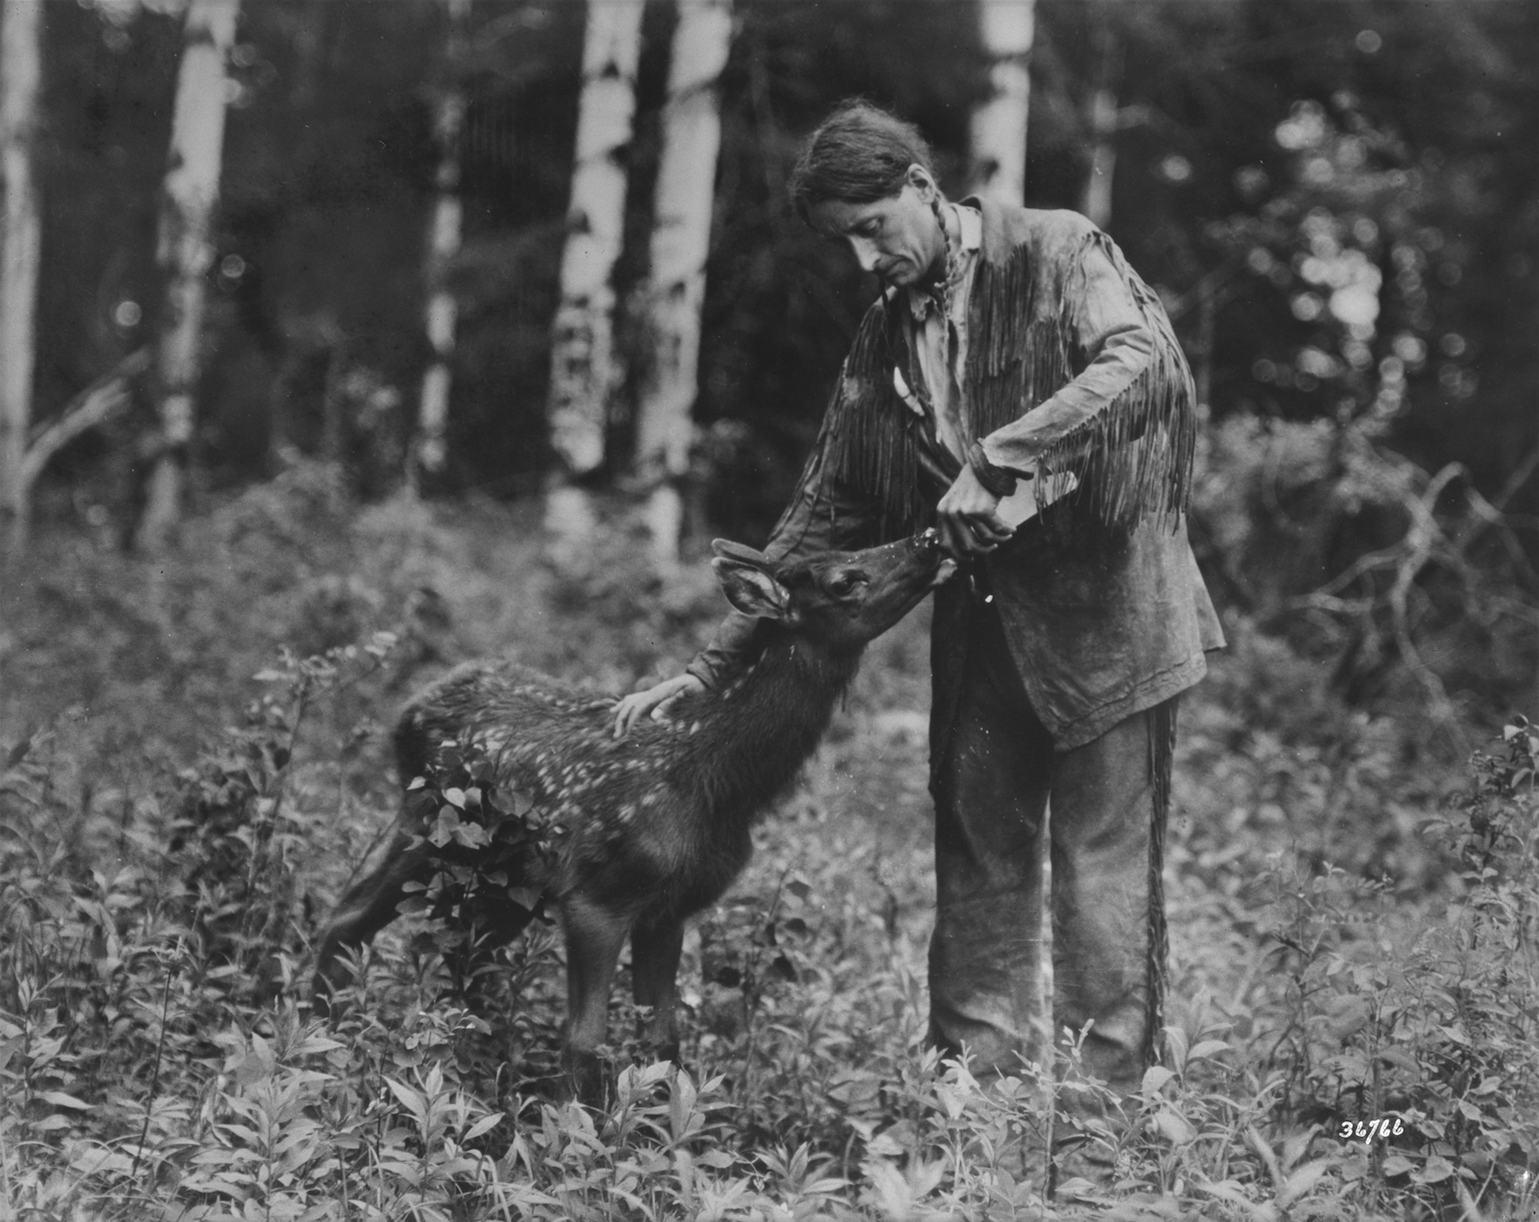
594 936
655 950
369 905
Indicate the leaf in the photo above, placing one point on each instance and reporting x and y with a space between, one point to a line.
471 835
924 1177
455 797
1174 1126
414 1102
890 1191
485 1125
1155 1078
18 751
524 897
443 827
1175 1041
100 1158
1397 1164
1301 1181
59 1099
1434 1171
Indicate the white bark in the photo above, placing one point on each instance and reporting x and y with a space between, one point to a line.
443 245
21 34
681 239
184 253
582 374
997 132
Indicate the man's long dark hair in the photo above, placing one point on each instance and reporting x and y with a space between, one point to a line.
860 153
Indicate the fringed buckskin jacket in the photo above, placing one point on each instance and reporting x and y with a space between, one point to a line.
1075 380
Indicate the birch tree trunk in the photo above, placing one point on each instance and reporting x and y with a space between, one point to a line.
582 361
443 244
1096 202
681 239
21 37
582 372
190 194
997 131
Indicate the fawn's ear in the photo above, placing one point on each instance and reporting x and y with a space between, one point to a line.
729 550
750 588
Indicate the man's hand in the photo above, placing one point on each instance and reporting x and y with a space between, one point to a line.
969 517
657 700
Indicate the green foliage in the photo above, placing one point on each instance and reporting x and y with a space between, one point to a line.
1352 942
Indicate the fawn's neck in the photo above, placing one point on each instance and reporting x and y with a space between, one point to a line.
756 730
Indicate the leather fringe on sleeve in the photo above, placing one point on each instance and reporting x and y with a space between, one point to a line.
1132 461
871 442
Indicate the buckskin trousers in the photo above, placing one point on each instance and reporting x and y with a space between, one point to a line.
996 778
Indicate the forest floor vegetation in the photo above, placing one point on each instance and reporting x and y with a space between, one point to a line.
194 760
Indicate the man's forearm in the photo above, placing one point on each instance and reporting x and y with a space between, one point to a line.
731 648
1111 325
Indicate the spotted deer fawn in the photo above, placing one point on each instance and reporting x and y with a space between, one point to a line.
657 822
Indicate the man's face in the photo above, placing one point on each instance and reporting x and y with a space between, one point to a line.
896 238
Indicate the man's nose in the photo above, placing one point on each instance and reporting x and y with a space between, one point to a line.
865 253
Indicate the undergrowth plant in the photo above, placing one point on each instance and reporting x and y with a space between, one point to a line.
1353 1035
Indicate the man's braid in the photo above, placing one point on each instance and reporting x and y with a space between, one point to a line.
945 285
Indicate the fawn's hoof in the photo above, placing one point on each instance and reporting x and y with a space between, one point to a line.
586 1079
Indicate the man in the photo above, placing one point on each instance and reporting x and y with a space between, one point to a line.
1019 385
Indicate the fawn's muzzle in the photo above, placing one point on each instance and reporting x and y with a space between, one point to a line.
928 544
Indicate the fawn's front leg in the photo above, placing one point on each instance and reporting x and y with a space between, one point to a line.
655 951
594 936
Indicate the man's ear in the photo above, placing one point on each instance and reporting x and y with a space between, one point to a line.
751 589
922 181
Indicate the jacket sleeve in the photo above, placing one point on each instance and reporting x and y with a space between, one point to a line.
1111 328
823 515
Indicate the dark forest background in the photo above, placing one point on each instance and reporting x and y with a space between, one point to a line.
1280 165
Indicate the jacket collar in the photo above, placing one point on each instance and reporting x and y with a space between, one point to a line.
1001 227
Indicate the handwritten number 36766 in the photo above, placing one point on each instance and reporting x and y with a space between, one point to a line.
1370 1129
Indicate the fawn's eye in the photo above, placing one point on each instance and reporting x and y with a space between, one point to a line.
847 582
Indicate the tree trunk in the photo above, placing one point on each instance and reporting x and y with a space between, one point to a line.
443 244
184 252
997 132
21 36
681 238
582 362
1096 202
582 373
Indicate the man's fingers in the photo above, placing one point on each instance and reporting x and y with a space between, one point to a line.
954 537
624 716
991 527
660 713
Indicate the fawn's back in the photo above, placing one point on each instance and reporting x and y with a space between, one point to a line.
632 818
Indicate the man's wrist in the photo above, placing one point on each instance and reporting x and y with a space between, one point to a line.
996 480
